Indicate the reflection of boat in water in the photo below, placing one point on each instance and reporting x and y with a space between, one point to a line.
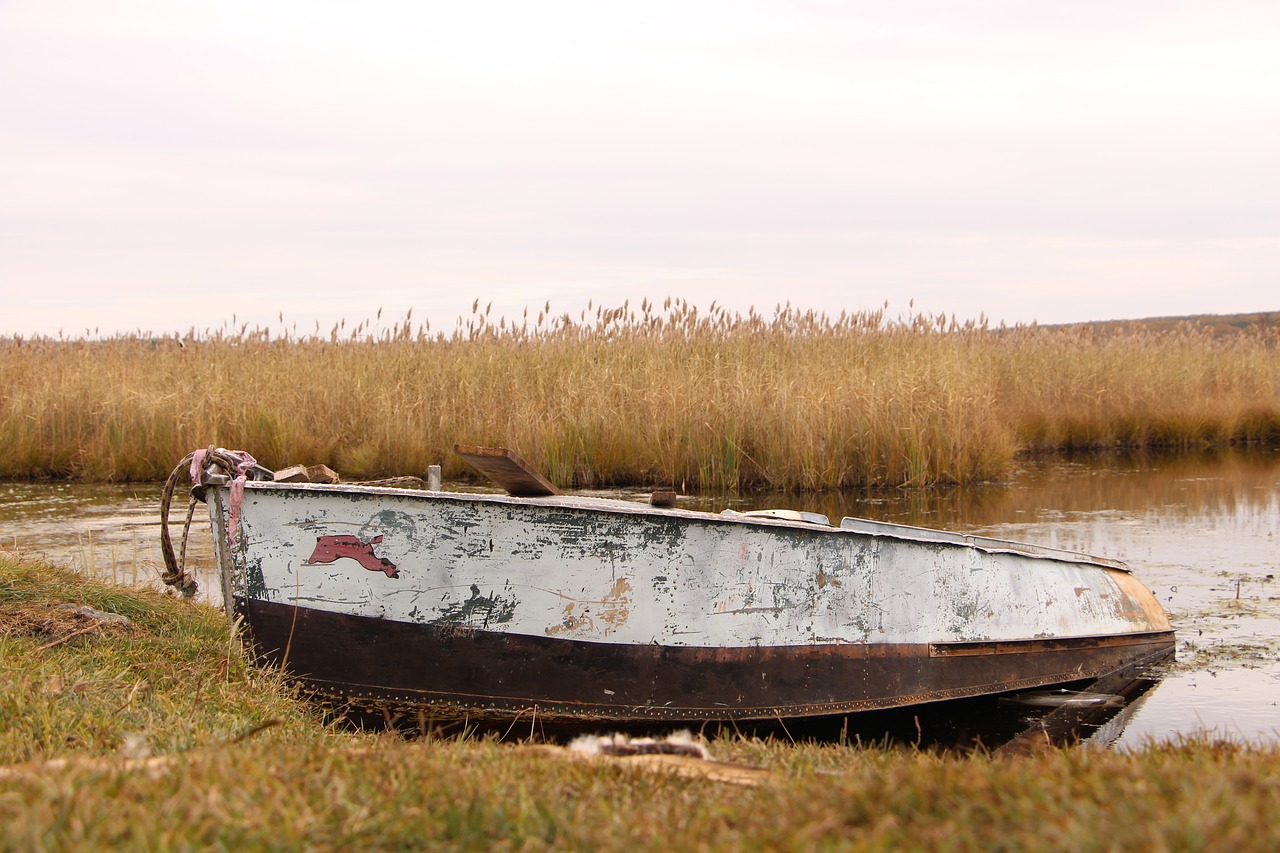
485 606
1078 700
1096 714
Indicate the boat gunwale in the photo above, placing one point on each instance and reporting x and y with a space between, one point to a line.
892 530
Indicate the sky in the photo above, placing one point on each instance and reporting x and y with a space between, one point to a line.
171 165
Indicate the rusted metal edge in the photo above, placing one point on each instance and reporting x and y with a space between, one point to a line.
507 470
460 672
1045 644
460 705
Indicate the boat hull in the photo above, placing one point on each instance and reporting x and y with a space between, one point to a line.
479 607
471 674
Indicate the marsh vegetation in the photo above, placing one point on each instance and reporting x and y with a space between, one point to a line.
639 395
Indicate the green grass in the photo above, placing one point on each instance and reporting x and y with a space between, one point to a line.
487 796
176 681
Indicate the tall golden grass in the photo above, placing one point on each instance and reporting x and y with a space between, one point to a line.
637 395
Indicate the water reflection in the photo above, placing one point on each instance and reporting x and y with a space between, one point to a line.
1199 531
1234 486
104 530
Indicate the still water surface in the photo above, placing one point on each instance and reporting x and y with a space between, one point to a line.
1201 532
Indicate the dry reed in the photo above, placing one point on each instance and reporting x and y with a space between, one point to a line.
637 395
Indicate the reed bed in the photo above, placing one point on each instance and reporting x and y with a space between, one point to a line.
637 395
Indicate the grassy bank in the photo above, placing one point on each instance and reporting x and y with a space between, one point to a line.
638 396
170 680
170 685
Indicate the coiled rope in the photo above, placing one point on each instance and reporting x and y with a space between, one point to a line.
199 465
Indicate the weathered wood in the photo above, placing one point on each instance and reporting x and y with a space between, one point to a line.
292 474
692 765
408 481
322 474
306 474
663 497
504 468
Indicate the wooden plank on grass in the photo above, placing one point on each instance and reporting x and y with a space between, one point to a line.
504 468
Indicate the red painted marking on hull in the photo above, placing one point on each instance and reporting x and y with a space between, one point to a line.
331 548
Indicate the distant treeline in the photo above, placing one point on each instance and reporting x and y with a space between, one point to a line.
1215 324
642 395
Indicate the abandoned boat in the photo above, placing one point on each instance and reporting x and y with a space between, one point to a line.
572 608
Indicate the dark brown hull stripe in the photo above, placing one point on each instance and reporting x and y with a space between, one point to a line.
456 673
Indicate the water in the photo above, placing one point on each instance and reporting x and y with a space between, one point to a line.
1201 532
106 531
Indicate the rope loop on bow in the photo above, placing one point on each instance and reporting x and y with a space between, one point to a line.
208 467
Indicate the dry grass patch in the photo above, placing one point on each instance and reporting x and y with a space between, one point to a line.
177 686
483 795
76 679
51 624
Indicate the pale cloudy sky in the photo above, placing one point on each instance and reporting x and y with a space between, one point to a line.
168 164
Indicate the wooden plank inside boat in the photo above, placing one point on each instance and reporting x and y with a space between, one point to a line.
504 468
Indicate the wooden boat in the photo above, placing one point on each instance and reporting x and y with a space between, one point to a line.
572 608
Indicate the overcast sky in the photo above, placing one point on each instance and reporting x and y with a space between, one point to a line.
168 164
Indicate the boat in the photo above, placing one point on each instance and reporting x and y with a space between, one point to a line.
582 609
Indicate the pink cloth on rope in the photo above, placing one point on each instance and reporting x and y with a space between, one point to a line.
237 495
197 466
237 485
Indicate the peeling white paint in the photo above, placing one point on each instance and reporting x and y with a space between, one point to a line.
616 572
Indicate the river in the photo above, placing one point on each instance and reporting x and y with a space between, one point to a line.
1200 531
